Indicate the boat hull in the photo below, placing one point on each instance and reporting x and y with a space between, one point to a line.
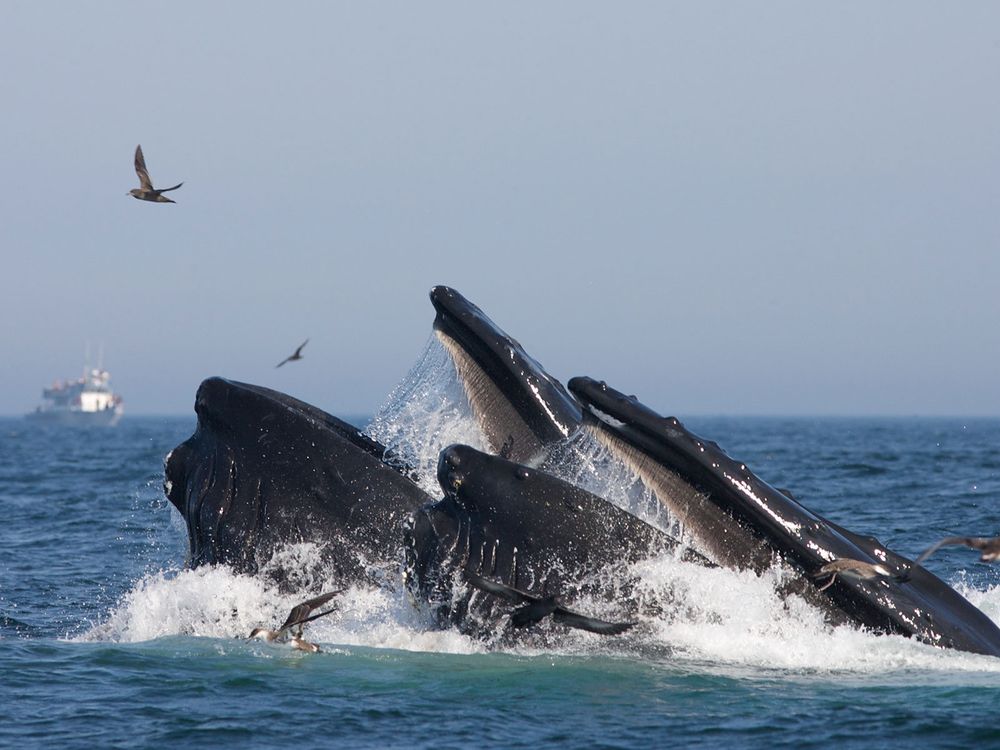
69 417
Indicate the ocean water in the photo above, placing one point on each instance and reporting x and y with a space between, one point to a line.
107 640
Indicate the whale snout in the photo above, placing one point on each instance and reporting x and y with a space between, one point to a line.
175 475
442 296
450 306
212 398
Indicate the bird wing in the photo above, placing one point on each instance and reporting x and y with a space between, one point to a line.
296 355
310 618
980 543
140 169
824 571
167 190
832 568
947 541
300 612
529 614
319 601
511 594
846 566
559 613
590 624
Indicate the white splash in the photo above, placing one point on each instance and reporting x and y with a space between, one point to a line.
425 413
735 620
214 602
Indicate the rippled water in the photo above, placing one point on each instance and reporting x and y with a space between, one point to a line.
107 641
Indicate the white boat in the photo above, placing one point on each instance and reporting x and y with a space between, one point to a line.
88 400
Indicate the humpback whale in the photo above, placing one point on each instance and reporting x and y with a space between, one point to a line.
264 469
520 407
742 522
528 530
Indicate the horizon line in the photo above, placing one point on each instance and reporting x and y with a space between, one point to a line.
688 415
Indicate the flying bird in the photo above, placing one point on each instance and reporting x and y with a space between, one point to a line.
990 548
535 608
293 357
850 568
293 626
146 191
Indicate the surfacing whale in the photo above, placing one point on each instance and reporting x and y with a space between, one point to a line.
526 529
740 521
264 469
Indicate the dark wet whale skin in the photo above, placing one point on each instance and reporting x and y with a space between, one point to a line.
263 469
922 606
523 527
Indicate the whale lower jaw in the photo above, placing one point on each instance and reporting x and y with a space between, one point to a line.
505 430
912 602
715 533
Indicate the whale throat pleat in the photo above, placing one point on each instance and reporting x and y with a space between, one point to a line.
507 432
713 530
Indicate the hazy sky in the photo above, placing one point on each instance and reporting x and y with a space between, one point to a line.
774 208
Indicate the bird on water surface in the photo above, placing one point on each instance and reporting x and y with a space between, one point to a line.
293 625
146 191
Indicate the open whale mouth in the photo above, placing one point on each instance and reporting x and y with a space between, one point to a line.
641 439
521 408
742 521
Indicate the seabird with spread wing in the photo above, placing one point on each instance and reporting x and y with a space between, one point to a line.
146 191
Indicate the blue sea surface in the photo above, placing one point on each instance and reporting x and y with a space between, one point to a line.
107 640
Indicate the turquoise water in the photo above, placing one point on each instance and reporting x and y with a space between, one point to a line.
107 641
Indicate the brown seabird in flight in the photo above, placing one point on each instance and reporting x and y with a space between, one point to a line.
293 357
850 568
299 616
989 547
146 191
535 608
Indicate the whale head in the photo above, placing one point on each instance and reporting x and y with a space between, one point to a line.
521 408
